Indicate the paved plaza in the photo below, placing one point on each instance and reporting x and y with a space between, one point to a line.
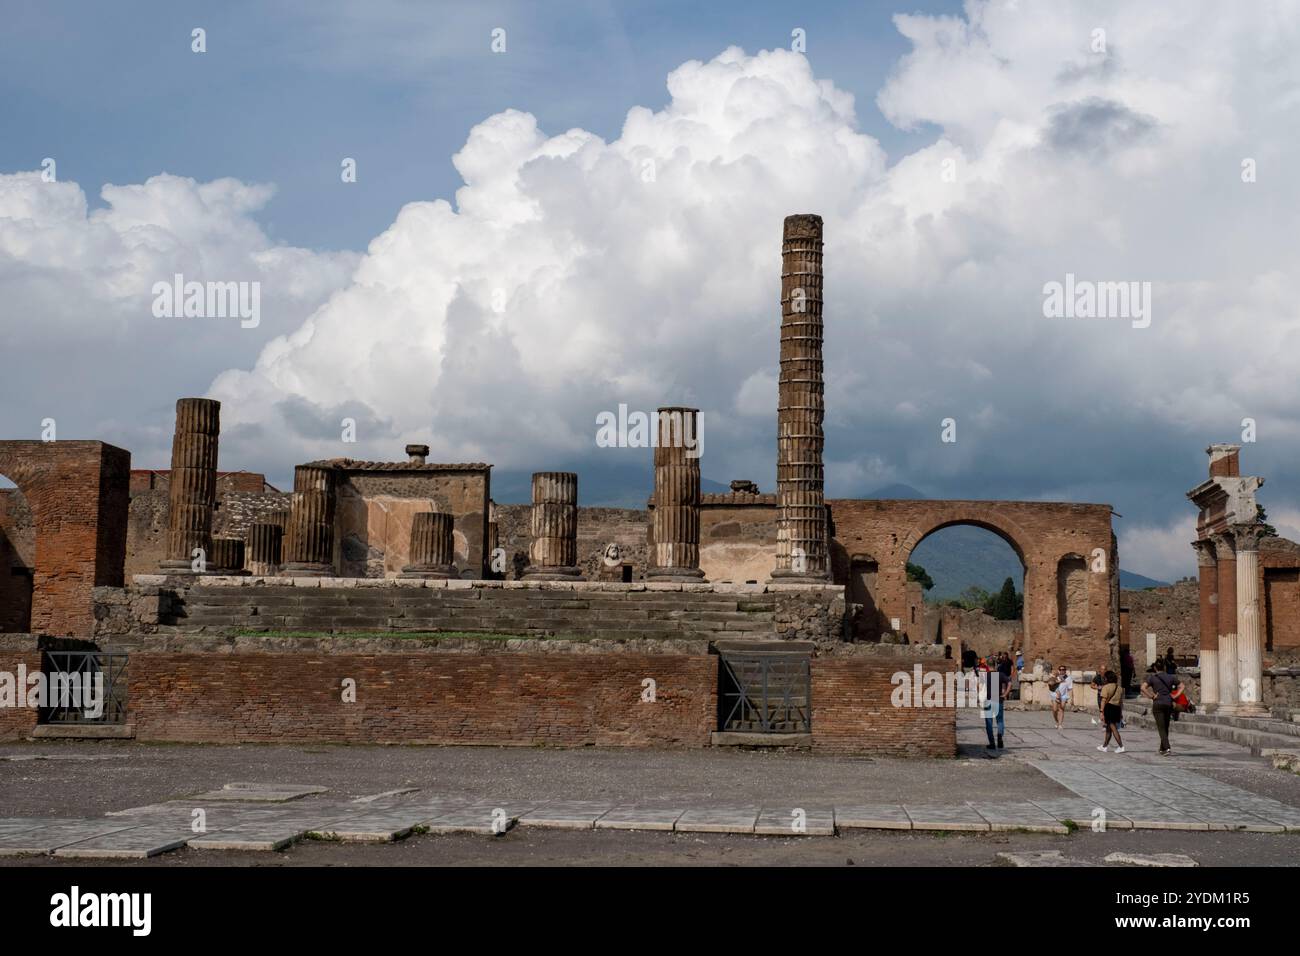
1045 785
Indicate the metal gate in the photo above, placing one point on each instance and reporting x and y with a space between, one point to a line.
766 693
71 675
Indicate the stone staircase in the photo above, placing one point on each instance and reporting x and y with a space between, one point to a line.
1264 736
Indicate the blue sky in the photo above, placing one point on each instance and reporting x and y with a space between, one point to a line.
504 269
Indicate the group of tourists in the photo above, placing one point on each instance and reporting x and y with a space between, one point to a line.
999 672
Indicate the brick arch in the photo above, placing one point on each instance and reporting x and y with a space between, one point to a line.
79 494
1040 532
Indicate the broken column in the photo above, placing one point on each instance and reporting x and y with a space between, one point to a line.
677 497
263 548
1209 642
193 486
801 506
227 555
309 538
553 553
495 568
433 547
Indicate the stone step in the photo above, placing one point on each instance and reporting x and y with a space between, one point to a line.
1259 741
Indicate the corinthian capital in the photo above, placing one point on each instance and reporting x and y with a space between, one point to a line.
1248 536
1205 556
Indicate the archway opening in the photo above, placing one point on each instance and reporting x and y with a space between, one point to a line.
966 589
17 559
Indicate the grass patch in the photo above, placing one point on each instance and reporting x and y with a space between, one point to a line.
1070 826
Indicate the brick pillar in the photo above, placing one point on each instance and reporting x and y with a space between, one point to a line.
677 497
433 548
1209 600
193 483
227 555
1225 549
1250 632
309 538
801 506
263 550
553 554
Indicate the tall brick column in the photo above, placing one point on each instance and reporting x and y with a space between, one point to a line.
309 538
263 548
193 483
1250 631
433 548
801 507
1225 549
677 497
553 554
1209 645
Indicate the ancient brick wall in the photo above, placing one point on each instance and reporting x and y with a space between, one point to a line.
236 511
77 492
426 697
1171 613
1044 534
18 650
981 632
853 704
17 560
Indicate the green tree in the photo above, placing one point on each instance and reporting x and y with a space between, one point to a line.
974 598
1261 517
1007 604
917 573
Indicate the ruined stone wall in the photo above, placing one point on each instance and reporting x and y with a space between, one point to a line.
77 492
375 510
236 511
1042 533
738 537
598 528
1171 613
853 707
17 560
18 651
981 632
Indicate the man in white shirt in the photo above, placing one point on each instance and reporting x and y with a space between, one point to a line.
1061 695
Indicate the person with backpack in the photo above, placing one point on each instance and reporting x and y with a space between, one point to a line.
1161 689
1112 710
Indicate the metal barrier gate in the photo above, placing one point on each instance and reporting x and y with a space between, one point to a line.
76 679
767 692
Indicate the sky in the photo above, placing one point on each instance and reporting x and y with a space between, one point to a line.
559 209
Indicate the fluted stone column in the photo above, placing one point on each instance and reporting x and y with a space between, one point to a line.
553 553
263 548
493 543
1209 643
677 498
1225 549
801 506
433 546
309 538
1250 631
193 483
227 556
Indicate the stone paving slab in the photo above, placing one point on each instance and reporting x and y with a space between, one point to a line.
477 818
258 836
47 839
931 817
875 817
781 821
135 843
19 824
1042 858
375 826
566 815
260 792
1018 816
1080 811
639 818
718 820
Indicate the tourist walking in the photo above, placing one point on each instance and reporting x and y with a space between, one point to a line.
1061 692
994 691
1112 711
1161 689
1170 666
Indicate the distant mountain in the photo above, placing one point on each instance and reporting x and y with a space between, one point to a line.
1135 582
957 557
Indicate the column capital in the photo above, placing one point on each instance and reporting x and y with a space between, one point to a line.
1205 556
1247 536
1225 545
